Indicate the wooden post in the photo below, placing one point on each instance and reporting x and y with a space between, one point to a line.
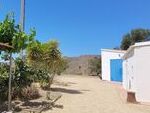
22 21
9 89
22 17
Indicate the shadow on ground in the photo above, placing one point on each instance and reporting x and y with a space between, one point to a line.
37 106
64 90
58 83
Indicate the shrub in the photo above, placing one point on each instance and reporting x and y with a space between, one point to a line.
22 78
30 93
95 66
3 82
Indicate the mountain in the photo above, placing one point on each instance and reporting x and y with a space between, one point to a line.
79 65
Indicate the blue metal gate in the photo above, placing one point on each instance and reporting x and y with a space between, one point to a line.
116 70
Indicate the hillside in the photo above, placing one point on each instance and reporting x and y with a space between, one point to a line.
79 65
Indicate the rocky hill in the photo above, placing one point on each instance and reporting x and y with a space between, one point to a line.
79 65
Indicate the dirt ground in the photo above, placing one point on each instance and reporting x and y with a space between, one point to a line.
84 94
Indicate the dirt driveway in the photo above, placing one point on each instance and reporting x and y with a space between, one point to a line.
91 95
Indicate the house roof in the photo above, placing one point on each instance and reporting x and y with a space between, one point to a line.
139 44
113 50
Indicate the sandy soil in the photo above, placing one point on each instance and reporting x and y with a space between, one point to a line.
91 95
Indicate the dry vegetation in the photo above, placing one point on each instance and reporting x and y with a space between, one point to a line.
79 65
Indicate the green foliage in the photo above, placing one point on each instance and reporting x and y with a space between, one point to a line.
95 66
46 57
7 29
21 40
136 35
51 55
126 42
139 35
3 81
11 34
35 51
63 65
23 77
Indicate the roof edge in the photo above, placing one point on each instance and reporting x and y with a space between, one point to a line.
113 50
139 44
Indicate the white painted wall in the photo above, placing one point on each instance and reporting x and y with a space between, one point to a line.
125 75
128 73
143 73
107 55
136 71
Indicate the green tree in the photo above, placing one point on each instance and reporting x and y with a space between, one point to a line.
62 66
11 35
7 29
46 56
136 35
126 42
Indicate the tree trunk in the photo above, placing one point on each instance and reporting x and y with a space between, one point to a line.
51 78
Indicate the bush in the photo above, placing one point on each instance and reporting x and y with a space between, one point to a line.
22 78
95 66
3 82
29 93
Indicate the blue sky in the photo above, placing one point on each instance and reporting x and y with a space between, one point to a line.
81 26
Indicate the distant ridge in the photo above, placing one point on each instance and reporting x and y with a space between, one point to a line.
79 65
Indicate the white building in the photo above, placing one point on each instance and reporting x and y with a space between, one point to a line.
111 64
136 71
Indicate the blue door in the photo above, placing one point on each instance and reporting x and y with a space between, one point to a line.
116 70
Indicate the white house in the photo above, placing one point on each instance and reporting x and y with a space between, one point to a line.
136 71
112 64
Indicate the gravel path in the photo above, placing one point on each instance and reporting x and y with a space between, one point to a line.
82 94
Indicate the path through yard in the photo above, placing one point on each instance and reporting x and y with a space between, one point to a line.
84 94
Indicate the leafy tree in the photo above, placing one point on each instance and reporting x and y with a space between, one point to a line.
45 56
22 40
7 29
11 35
126 42
3 82
62 66
139 35
136 35
23 76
